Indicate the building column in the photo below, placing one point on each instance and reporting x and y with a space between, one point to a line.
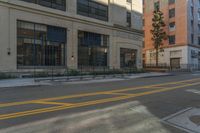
72 48
8 46
113 53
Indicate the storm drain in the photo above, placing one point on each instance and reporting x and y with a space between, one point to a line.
187 120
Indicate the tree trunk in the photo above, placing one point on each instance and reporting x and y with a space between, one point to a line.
156 57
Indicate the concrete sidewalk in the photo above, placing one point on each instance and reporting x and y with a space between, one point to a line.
76 79
20 82
125 118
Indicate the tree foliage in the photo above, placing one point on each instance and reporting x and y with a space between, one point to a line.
158 33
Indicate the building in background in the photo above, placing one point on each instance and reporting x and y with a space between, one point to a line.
182 18
70 34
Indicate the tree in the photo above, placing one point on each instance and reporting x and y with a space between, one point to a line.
158 33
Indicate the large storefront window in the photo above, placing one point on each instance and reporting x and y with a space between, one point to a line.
92 49
128 57
55 4
92 9
40 45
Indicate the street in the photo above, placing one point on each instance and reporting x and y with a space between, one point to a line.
142 101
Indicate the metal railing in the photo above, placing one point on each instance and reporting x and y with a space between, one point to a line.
83 72
179 67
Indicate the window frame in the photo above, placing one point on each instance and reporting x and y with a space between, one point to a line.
51 4
92 11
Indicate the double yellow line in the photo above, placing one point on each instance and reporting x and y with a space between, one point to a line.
88 103
97 93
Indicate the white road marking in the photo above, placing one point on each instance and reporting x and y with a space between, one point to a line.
193 91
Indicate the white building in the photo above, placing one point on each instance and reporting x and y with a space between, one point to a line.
70 34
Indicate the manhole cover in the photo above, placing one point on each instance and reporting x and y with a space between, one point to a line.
188 120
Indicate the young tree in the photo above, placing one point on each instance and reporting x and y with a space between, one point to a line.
158 33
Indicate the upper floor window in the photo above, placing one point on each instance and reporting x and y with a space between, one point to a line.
172 26
192 3
199 3
172 13
92 9
192 38
192 26
129 1
128 18
199 15
171 1
198 28
157 5
172 39
55 4
199 44
192 11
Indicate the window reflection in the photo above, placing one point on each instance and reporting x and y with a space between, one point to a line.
128 57
55 4
40 45
92 9
92 49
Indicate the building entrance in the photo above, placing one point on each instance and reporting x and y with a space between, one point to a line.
175 63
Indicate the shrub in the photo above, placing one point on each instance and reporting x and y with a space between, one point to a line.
6 76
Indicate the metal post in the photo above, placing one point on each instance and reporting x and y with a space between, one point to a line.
52 73
81 73
104 70
93 72
113 72
67 74
34 52
34 74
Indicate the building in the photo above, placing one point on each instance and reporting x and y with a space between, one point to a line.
70 34
182 48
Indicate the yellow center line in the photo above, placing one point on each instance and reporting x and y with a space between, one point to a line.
160 87
30 112
95 93
115 93
53 103
51 109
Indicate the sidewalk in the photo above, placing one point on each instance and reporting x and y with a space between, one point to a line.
19 82
76 79
123 118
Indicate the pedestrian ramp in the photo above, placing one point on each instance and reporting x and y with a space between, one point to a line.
187 120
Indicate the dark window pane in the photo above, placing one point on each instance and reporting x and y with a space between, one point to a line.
128 57
172 39
40 45
171 1
55 4
128 18
92 49
92 9
157 5
171 13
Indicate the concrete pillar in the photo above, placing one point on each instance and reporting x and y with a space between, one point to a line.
72 47
7 50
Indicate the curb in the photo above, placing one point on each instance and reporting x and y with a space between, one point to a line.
48 81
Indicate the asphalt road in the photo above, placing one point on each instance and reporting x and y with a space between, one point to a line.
161 96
